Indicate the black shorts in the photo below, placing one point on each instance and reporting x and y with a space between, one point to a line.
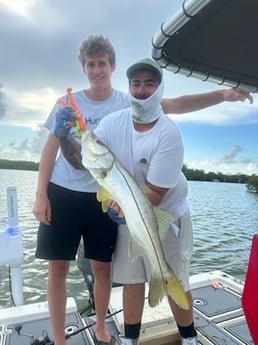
76 215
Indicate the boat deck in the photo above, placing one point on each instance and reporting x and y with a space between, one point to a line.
218 317
218 313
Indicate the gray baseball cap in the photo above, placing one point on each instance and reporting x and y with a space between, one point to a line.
145 64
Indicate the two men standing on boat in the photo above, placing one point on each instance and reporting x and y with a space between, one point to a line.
65 201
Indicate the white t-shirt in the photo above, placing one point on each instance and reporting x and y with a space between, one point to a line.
155 155
63 173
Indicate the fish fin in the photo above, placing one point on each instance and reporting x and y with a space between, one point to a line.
164 218
175 290
134 249
172 288
103 196
156 292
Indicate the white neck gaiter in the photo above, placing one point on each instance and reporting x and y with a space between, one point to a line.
147 110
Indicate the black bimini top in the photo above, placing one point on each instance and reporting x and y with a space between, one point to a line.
213 40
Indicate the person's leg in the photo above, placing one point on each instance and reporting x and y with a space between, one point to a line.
133 304
183 317
132 274
99 243
102 290
178 250
57 272
58 244
184 320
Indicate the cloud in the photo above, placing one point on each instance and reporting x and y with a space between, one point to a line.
237 159
226 114
38 141
26 149
231 157
45 41
38 61
229 163
28 108
2 104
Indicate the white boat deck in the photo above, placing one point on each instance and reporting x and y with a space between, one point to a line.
217 310
218 317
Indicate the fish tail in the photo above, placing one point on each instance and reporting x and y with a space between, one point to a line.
156 291
176 292
171 287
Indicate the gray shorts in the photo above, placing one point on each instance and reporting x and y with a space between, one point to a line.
178 250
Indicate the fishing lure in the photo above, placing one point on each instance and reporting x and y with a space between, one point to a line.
79 122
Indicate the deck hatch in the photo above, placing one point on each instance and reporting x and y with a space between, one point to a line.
215 301
35 329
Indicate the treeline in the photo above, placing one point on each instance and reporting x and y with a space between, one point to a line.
201 175
191 174
18 165
252 184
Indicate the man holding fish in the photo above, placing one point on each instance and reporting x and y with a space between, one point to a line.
152 247
62 225
149 147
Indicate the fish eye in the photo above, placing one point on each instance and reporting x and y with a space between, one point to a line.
103 174
99 142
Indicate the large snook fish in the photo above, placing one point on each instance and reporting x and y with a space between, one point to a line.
146 223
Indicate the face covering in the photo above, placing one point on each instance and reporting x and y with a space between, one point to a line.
147 110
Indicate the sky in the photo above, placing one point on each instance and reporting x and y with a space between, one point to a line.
38 61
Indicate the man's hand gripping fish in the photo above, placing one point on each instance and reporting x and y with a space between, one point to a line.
146 223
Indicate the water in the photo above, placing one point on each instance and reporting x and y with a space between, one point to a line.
225 218
34 270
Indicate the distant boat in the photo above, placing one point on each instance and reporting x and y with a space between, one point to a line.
251 189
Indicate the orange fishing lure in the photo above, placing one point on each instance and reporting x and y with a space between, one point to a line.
79 122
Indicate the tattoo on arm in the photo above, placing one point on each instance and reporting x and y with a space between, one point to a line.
72 152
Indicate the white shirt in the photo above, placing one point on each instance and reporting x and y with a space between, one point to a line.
155 155
63 173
